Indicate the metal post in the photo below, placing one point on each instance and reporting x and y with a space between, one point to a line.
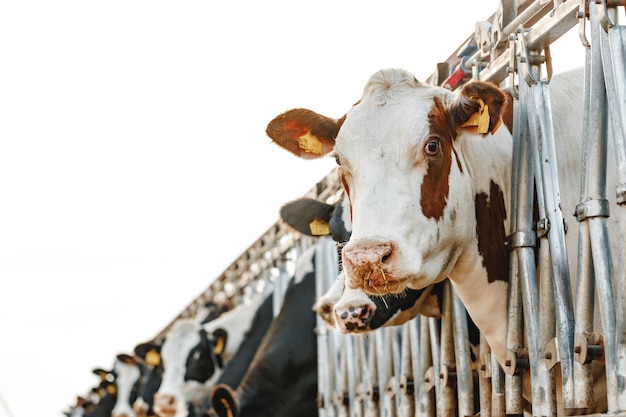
464 380
540 122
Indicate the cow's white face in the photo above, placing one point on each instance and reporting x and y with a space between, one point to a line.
410 192
172 397
127 374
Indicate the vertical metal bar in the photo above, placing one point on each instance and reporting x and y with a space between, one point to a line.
447 367
613 55
543 137
390 387
484 376
424 404
515 336
603 267
523 243
373 389
585 292
351 368
464 380
406 403
498 406
435 369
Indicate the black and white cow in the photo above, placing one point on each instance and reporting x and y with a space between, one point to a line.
281 381
430 189
127 380
148 357
194 354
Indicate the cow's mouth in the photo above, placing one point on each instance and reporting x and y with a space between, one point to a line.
384 288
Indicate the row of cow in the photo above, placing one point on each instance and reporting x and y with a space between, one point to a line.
199 367
427 185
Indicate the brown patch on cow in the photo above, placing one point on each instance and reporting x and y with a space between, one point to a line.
490 217
436 187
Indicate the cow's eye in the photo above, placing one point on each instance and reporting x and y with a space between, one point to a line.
337 160
432 147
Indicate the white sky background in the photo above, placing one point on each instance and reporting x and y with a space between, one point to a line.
134 166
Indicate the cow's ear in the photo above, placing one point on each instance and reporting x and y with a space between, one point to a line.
101 373
304 133
308 216
149 352
127 359
481 107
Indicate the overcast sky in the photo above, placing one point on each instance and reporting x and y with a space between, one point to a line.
134 166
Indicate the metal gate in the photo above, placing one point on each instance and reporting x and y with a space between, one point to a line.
425 367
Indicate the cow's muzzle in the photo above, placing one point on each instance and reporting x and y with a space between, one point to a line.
370 265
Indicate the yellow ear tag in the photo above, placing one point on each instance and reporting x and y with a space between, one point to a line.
111 389
153 358
319 227
219 346
310 143
480 119
224 402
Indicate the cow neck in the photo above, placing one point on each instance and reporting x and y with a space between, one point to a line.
480 276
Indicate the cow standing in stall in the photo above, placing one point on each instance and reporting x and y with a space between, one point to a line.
430 188
194 354
281 381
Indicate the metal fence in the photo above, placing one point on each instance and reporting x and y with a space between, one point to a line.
427 367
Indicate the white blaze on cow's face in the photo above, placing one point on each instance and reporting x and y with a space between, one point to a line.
410 193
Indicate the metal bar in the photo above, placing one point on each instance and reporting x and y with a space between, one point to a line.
484 376
548 29
424 403
406 383
542 134
517 241
447 368
464 380
537 326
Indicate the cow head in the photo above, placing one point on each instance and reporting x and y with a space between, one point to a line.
191 359
127 380
426 171
400 155
149 356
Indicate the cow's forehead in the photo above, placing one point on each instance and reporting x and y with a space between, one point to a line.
183 335
395 108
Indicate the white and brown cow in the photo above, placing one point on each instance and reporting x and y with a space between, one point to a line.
429 194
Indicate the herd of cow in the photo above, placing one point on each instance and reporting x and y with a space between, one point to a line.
426 177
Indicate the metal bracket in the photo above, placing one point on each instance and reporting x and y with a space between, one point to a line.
592 208
552 353
543 227
516 361
521 240
588 346
621 193
485 366
447 374
528 59
582 15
